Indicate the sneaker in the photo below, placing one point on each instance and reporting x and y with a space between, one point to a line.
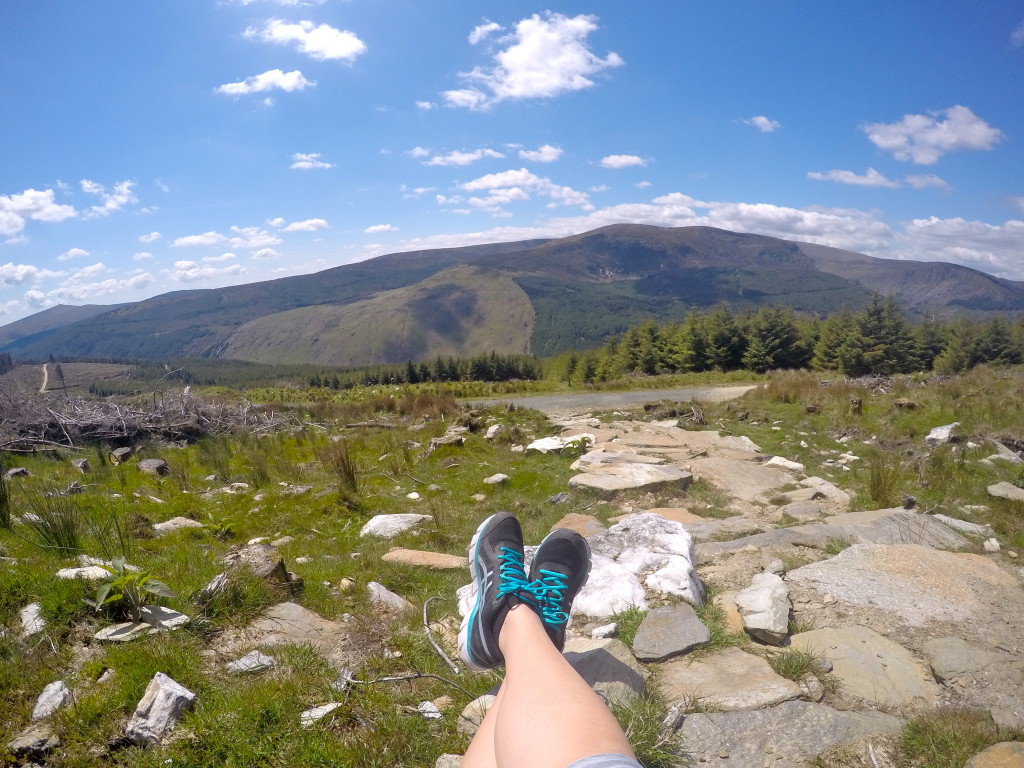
496 565
559 570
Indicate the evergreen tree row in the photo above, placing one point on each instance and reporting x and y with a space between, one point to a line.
876 340
491 367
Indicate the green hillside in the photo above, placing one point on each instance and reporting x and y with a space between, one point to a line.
458 312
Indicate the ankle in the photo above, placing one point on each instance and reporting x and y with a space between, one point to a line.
520 622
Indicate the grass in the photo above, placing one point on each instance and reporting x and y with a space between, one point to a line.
948 738
799 666
628 622
835 545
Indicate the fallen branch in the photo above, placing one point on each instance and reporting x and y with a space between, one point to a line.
347 677
430 637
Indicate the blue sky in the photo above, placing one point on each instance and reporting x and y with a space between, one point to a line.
158 146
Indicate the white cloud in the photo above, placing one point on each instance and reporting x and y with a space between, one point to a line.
223 257
321 43
309 225
253 237
120 196
600 188
16 274
642 184
35 204
7 307
993 248
72 253
462 158
150 238
1017 36
870 179
161 186
763 124
268 81
923 139
276 223
1019 202
380 228
482 31
543 154
622 161
927 180
207 238
79 287
190 272
265 253
142 256
547 56
425 104
306 162
514 182
414 193
418 152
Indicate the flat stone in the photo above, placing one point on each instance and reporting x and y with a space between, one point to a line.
382 596
296 490
986 678
964 526
677 514
779 461
154 467
871 667
555 443
389 526
159 710
283 541
584 525
604 456
941 434
785 736
34 741
175 524
1005 754
499 478
32 621
290 623
86 573
493 431
253 661
474 713
917 584
828 490
161 617
54 696
668 631
612 478
608 666
764 608
803 512
1005 490
124 632
311 717
731 680
16 472
741 478
420 559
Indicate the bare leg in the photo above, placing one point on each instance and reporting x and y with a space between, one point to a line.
481 749
548 716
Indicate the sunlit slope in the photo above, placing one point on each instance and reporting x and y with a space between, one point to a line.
460 311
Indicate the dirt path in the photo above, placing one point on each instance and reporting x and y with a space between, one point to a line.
46 379
589 401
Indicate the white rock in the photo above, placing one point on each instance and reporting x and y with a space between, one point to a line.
159 710
493 431
389 526
991 545
497 479
257 540
383 596
764 608
176 523
555 444
605 630
32 621
54 696
941 434
965 527
611 588
162 618
429 710
413 496
779 461
311 717
252 662
88 573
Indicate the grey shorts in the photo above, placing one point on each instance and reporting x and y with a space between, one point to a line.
606 761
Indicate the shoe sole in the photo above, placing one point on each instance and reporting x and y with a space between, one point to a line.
476 597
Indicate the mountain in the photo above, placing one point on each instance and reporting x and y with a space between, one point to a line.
539 296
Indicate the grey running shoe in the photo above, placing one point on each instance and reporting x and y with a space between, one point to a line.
559 570
496 565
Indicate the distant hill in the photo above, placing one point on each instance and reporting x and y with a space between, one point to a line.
50 319
538 296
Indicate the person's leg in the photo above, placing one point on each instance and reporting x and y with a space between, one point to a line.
480 753
547 716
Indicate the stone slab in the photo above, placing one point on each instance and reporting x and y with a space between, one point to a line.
609 479
608 666
1005 490
584 525
871 667
667 631
421 559
731 680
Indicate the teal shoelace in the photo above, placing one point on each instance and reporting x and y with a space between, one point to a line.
548 593
511 572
